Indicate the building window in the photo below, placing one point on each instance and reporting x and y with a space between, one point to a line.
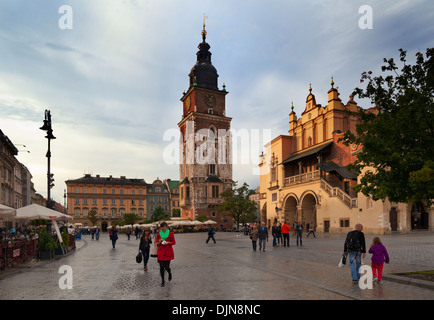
274 197
77 201
215 191
121 202
104 202
94 190
94 202
113 202
104 191
84 190
212 168
122 191
344 223
113 191
84 201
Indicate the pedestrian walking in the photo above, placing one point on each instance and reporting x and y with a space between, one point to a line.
379 257
311 230
279 234
262 236
356 249
294 228
254 234
93 233
274 234
285 234
128 233
113 236
211 233
145 246
299 231
165 239
97 233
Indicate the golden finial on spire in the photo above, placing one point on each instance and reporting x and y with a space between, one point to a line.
203 33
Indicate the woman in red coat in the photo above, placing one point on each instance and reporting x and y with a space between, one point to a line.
164 240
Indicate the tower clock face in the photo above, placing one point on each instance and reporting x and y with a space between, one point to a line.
188 103
210 100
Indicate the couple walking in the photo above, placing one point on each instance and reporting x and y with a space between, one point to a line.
259 233
164 240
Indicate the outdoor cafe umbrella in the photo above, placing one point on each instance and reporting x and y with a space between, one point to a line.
7 213
210 222
35 211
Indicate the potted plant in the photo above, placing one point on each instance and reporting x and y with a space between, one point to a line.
46 245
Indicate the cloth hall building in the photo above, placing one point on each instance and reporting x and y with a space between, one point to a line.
304 177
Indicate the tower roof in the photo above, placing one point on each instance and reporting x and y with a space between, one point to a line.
204 74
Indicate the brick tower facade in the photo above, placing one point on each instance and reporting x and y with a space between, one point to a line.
205 148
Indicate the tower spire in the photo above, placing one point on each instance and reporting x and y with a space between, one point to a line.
203 32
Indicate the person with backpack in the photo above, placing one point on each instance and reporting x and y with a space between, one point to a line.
299 230
113 236
211 233
356 249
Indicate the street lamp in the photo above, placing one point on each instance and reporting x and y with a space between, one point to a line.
49 136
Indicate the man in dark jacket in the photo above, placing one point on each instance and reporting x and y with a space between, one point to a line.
356 248
210 234
263 236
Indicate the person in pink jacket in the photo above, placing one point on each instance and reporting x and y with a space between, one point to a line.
379 257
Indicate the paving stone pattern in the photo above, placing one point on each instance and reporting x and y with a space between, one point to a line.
227 270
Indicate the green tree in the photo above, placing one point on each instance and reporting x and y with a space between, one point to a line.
159 214
130 218
176 212
397 139
92 216
201 218
237 203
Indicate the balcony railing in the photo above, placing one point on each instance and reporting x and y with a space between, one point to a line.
337 192
302 178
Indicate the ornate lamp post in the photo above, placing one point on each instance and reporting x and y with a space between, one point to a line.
49 136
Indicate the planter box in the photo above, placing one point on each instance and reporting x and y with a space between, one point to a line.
58 251
46 255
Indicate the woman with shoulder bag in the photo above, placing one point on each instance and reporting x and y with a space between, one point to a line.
145 246
254 234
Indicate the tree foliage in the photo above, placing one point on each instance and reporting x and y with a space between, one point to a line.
398 134
237 203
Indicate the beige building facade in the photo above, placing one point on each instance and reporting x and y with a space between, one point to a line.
304 178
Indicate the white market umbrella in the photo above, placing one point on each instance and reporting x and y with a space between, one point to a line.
7 213
195 223
210 222
35 211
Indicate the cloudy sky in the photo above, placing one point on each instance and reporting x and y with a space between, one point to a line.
113 82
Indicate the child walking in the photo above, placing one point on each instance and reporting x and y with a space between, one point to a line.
379 256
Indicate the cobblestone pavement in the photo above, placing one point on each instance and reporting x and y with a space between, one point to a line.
227 270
